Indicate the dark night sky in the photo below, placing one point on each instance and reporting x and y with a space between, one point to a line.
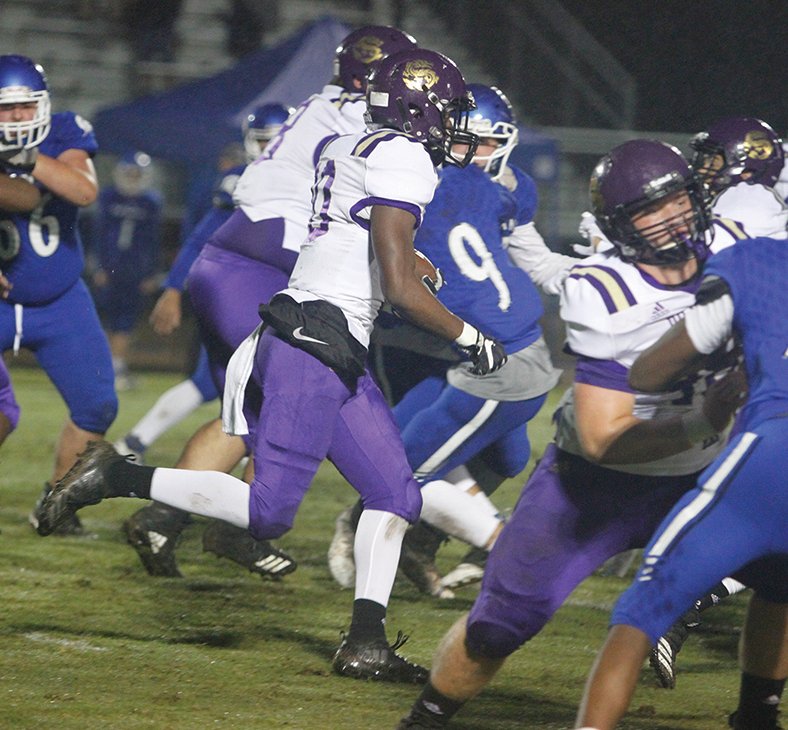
697 60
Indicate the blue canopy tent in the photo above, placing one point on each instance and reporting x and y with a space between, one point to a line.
192 123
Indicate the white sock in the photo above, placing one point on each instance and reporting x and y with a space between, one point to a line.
376 550
733 586
172 407
457 513
206 493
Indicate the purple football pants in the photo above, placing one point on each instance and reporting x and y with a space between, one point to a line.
308 414
8 405
571 517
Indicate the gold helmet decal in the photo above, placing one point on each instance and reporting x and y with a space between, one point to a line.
419 75
757 145
368 49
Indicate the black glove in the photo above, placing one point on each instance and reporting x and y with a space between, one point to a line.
18 161
486 354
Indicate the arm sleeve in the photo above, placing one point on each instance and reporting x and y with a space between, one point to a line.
710 322
528 251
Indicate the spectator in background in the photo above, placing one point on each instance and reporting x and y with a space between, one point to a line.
126 240
245 25
150 28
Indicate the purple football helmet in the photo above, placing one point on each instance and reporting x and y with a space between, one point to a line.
362 50
636 175
262 125
23 82
423 93
737 149
493 118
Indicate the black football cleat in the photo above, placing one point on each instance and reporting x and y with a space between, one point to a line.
84 484
771 722
663 656
257 556
71 526
153 532
377 661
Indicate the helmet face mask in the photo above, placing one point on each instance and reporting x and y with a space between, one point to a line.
422 93
650 204
493 119
262 125
737 149
23 82
362 50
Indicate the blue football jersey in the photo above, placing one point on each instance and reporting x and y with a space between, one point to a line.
127 233
49 258
756 272
462 234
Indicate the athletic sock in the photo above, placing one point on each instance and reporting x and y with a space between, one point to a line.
125 479
759 699
433 708
368 622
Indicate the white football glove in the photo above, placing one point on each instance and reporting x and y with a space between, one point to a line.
590 230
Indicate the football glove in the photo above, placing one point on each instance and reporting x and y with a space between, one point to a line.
486 353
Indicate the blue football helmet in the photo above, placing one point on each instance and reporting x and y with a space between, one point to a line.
262 125
24 82
493 118
133 174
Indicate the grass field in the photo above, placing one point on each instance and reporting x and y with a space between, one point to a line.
89 640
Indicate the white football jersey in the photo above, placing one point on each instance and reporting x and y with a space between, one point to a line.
355 172
613 311
781 186
279 183
747 211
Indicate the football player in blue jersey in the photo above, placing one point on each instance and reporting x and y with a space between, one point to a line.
47 176
259 127
453 416
734 521
620 459
125 242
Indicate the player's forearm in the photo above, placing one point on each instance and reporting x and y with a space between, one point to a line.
528 251
641 442
414 303
17 195
76 185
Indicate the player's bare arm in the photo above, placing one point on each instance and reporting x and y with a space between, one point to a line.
392 239
610 434
17 195
71 176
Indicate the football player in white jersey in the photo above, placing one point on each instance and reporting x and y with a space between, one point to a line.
740 160
244 262
620 459
308 358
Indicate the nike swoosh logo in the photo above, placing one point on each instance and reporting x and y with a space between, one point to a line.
299 335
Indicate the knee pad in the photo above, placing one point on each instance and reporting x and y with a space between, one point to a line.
491 640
